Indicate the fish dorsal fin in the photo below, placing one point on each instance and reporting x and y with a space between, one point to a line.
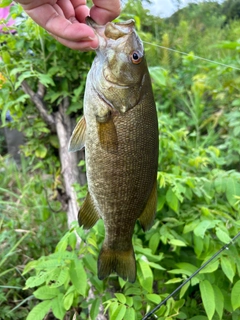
87 215
148 214
77 140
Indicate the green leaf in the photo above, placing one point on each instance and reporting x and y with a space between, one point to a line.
202 227
188 267
129 301
174 280
72 240
232 190
61 278
130 314
36 281
219 300
5 3
112 308
228 267
45 79
222 236
184 289
41 151
198 245
172 200
235 295
155 298
158 75
178 243
53 139
156 266
68 300
119 313
57 307
121 298
40 310
46 292
95 308
191 226
78 276
23 76
213 266
146 279
154 242
208 298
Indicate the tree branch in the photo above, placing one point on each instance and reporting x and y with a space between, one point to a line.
37 99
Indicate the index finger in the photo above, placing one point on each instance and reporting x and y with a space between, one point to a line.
48 18
104 11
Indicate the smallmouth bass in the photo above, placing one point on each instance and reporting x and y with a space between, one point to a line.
119 130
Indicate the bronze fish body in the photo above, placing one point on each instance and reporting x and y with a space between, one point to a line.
119 130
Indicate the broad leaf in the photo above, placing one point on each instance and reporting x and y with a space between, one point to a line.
228 267
78 276
119 313
235 295
57 307
208 298
40 310
219 300
46 292
95 308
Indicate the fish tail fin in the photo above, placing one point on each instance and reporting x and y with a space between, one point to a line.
121 262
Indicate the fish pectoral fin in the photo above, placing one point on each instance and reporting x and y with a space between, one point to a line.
107 135
77 140
147 217
121 262
87 215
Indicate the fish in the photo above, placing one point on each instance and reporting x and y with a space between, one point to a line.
119 130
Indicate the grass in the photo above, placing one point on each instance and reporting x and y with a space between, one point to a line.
25 217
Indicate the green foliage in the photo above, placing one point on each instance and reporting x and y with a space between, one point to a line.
198 209
26 211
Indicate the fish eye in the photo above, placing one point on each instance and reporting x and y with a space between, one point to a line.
136 57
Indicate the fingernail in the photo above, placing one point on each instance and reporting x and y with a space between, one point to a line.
96 42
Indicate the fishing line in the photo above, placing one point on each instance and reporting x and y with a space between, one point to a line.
197 57
225 247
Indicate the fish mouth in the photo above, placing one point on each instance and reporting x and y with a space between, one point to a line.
112 30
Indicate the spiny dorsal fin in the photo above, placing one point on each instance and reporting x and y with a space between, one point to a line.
148 214
77 140
87 215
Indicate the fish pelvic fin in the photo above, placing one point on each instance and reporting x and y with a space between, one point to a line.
147 217
121 262
87 215
77 140
108 135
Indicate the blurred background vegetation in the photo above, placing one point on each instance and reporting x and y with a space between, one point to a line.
194 62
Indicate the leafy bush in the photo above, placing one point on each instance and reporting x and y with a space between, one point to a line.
199 183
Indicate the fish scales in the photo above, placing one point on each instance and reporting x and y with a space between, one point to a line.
120 134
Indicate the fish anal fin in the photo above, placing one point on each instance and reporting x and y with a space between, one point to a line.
107 135
147 217
87 215
77 140
121 262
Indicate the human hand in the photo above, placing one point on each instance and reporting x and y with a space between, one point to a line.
65 19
